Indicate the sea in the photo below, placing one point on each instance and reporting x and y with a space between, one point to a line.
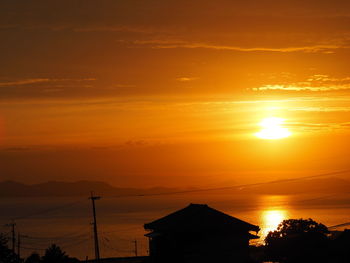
67 221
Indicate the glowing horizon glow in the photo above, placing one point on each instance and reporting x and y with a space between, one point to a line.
272 129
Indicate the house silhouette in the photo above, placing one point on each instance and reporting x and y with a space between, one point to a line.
199 233
339 248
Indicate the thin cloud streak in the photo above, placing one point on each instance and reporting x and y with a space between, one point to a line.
40 80
322 109
23 82
169 44
186 79
316 82
299 88
318 126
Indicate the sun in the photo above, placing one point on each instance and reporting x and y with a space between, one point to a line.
272 129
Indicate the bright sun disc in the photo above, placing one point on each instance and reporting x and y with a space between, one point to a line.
272 129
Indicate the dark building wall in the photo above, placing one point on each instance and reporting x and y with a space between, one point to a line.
199 247
121 260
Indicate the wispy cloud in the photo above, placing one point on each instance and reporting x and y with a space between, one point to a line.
89 28
317 82
118 28
172 44
186 79
22 82
302 88
321 109
304 126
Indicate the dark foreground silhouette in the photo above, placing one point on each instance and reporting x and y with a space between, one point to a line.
200 234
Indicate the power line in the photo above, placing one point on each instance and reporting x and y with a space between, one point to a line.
65 246
73 243
93 198
107 246
122 230
116 249
189 191
48 210
55 238
233 186
119 238
33 248
340 225
76 244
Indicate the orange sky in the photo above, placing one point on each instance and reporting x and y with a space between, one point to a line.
147 92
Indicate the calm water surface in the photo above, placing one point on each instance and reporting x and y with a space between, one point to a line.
67 221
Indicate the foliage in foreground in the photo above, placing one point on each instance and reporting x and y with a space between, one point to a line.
298 240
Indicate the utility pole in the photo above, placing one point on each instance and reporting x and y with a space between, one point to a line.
97 249
135 243
13 235
13 225
19 247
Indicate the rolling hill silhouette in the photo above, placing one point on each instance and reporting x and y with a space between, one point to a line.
83 188
79 188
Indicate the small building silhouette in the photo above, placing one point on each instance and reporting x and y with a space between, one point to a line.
199 233
119 260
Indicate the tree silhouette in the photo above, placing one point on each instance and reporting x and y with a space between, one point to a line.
298 240
6 254
54 254
33 258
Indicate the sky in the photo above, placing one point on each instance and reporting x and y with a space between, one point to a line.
158 92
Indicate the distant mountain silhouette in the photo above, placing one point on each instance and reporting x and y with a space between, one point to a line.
79 188
83 188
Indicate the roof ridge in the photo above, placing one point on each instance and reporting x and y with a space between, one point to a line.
193 212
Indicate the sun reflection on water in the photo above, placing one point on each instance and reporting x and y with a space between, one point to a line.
274 211
271 220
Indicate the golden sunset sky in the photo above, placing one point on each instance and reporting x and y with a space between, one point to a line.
157 92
